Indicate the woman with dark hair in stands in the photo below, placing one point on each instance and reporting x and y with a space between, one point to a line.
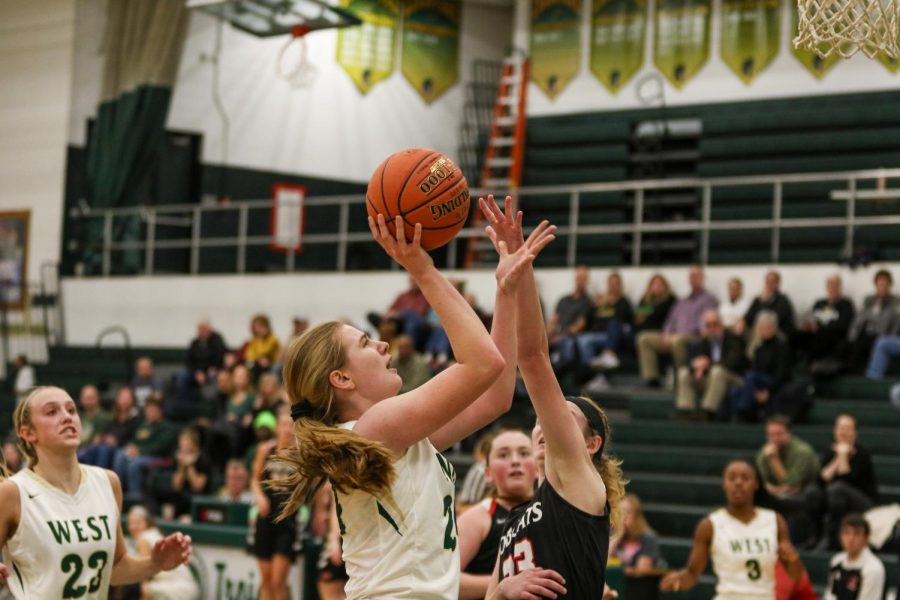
556 544
743 540
118 432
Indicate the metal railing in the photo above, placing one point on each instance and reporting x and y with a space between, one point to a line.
190 218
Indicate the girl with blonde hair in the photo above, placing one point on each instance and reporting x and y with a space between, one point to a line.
60 521
556 544
381 451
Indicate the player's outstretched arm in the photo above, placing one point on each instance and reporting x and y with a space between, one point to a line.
473 526
10 513
687 577
568 468
168 553
497 400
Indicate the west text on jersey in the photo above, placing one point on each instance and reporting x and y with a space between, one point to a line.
80 530
750 545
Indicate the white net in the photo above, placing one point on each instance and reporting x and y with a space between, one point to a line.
848 27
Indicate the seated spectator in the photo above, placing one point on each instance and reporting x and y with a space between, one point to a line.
153 443
895 397
205 356
715 365
770 299
299 325
177 584
408 310
885 350
230 433
822 335
268 394
769 371
411 366
263 349
735 305
191 476
849 479
609 327
681 328
856 572
12 457
880 316
237 483
790 471
25 377
568 320
119 432
475 487
654 307
145 382
94 419
636 545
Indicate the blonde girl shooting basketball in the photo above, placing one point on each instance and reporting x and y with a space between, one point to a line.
380 451
556 545
60 521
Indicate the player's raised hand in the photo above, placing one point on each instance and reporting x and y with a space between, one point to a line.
511 265
409 255
505 224
532 584
172 551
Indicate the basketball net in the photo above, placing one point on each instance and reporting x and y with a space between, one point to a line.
296 70
848 26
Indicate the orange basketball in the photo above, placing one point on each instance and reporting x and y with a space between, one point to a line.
422 186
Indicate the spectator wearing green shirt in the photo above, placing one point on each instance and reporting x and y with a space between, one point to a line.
154 441
790 469
94 420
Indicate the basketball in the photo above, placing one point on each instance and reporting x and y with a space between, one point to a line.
422 186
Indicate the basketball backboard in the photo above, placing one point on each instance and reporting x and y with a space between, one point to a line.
265 18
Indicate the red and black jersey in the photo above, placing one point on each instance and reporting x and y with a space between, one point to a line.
550 533
486 557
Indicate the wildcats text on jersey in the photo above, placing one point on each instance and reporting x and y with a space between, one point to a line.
533 514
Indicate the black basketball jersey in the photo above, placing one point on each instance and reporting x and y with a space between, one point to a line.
550 533
486 557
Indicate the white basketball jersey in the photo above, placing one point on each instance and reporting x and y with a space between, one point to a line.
64 546
407 549
744 555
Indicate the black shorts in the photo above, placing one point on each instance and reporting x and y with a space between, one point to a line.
275 538
329 572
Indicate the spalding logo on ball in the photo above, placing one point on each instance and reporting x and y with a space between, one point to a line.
422 186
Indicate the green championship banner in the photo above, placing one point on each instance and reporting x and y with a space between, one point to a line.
681 42
430 60
366 52
810 60
555 43
617 41
750 35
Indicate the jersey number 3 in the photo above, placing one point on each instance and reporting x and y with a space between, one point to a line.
522 558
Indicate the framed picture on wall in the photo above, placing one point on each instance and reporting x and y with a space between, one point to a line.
14 229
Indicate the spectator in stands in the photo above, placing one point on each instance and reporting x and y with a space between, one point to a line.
654 307
153 443
177 584
25 377
119 431
849 478
715 365
770 299
205 356
475 486
880 315
145 382
12 457
268 394
569 319
822 335
856 572
885 350
681 328
411 366
609 326
408 310
93 418
735 305
263 349
636 545
191 476
769 371
237 483
790 472
263 430
299 325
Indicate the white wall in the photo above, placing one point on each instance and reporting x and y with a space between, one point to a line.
163 311
715 82
326 129
36 40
